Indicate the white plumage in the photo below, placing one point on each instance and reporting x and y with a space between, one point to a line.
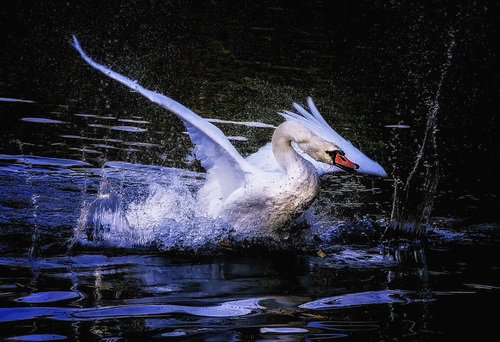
270 187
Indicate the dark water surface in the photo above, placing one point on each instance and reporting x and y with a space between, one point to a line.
413 85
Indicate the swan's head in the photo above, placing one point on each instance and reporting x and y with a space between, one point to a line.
328 153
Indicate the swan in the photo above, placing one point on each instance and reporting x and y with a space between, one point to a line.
265 191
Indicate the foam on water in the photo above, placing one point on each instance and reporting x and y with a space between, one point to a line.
169 217
158 208
164 213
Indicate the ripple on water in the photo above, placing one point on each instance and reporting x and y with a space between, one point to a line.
104 117
359 299
237 138
243 123
163 289
38 337
85 150
105 146
9 99
344 326
49 297
174 334
141 144
43 161
42 120
286 330
83 115
397 126
133 121
132 129
226 309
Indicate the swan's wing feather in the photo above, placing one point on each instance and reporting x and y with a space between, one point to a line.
313 120
290 115
264 159
316 112
212 147
303 112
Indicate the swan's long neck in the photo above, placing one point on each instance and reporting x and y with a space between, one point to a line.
285 154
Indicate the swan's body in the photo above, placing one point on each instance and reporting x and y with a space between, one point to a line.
266 190
269 198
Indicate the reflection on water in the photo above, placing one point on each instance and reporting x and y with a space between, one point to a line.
242 296
362 291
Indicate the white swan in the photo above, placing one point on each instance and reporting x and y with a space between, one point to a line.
266 190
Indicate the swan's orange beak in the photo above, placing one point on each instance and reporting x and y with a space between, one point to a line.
340 160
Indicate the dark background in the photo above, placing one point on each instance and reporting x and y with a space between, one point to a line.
367 63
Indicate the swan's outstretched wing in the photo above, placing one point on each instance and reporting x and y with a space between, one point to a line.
212 148
313 120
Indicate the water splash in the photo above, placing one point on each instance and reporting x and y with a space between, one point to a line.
413 198
35 235
157 207
161 212
103 219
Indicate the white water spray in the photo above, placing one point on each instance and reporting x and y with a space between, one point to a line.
406 217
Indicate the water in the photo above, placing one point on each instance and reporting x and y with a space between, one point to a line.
359 292
100 237
413 197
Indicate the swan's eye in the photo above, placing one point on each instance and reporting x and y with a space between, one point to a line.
334 153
